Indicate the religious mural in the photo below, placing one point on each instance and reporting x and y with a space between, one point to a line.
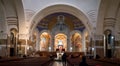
60 42
44 41
76 42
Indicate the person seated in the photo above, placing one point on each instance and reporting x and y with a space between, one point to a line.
64 56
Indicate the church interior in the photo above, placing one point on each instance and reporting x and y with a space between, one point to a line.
39 32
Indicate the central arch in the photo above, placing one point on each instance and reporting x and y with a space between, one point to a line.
60 42
59 8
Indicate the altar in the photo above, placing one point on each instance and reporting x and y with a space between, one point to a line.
59 52
59 56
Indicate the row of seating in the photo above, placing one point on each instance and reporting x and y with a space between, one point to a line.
110 60
6 59
35 61
92 62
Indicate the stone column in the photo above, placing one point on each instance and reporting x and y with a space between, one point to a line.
52 43
8 43
15 46
110 20
94 43
104 41
26 45
84 44
99 46
38 42
68 44
24 38
7 46
109 24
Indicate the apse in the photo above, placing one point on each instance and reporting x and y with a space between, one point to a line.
65 31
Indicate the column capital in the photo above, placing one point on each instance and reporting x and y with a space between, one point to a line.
23 36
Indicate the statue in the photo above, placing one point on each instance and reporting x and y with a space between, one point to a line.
60 42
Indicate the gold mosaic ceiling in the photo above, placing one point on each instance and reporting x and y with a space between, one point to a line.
71 21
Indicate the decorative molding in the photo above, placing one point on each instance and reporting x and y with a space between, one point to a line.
117 47
109 22
99 46
92 14
9 45
117 37
12 17
12 20
3 36
110 19
98 37
4 45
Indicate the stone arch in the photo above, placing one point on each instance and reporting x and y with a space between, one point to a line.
74 31
107 30
13 11
13 35
60 40
86 31
48 42
13 41
59 8
71 37
21 16
11 28
106 14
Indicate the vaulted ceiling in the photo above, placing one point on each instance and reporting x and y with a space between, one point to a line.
88 7
71 21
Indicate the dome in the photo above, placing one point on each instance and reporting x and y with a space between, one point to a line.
60 26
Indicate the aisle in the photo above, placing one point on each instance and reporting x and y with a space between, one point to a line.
58 63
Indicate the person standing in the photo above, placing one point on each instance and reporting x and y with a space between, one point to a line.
64 56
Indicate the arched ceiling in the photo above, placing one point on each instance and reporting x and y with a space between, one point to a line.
71 21
88 7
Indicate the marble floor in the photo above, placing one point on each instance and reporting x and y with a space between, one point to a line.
58 63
